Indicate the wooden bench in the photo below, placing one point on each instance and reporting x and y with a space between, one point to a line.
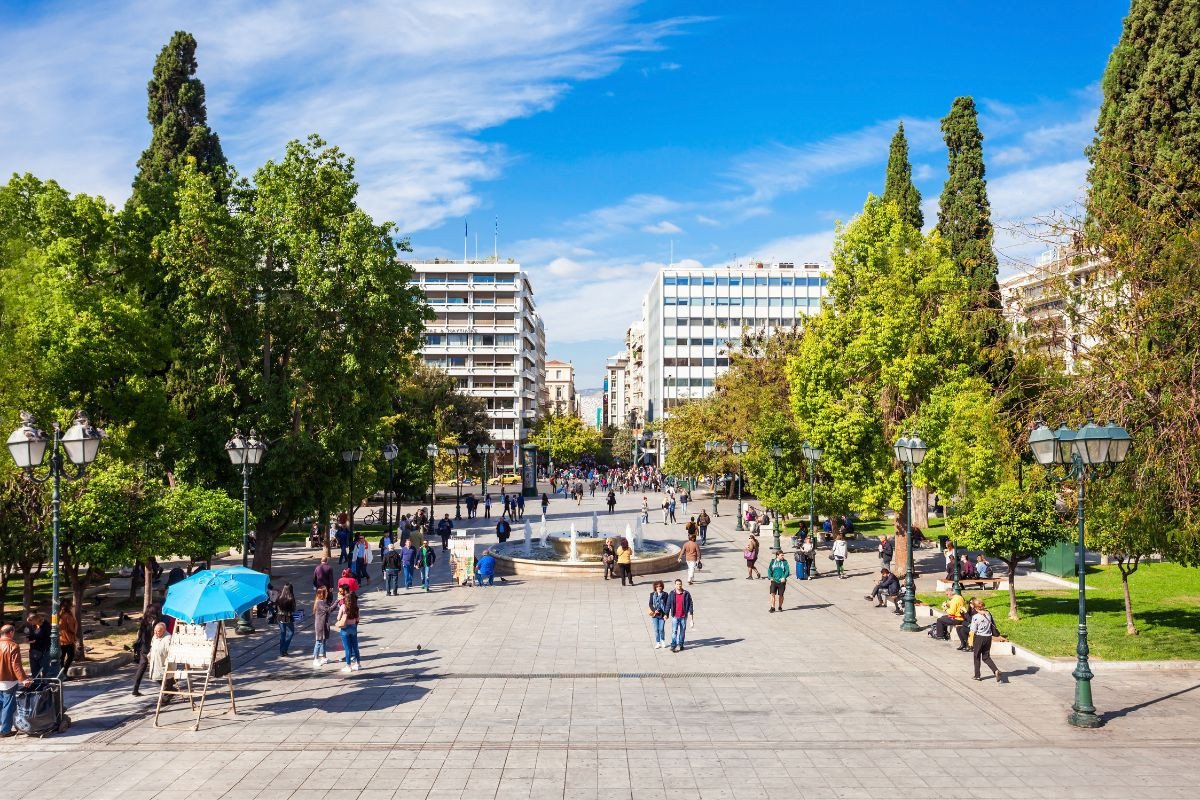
982 583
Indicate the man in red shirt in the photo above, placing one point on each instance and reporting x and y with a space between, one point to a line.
12 675
679 607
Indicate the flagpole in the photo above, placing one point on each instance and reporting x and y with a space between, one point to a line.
464 241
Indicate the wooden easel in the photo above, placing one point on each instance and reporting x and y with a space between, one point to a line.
216 665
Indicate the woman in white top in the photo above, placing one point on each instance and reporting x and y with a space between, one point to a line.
840 549
981 629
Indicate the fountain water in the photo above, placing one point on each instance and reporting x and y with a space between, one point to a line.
529 537
595 525
545 533
574 545
633 545
637 535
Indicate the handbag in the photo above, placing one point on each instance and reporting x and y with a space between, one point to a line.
699 565
971 638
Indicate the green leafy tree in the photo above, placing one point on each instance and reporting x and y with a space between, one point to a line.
565 439
687 430
1143 229
965 222
198 522
622 444
898 186
1012 524
781 483
890 332
24 517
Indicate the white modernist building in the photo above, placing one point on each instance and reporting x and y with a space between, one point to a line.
488 336
691 317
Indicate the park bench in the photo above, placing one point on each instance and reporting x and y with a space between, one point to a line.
992 583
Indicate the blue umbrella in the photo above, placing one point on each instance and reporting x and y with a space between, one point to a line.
215 594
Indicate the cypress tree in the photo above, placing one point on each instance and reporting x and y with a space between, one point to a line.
965 222
178 115
1143 229
898 187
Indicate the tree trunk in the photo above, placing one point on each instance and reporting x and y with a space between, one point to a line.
27 576
4 593
920 511
1012 588
148 588
323 527
1130 628
900 538
78 585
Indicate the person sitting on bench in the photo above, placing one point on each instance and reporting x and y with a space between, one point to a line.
982 568
887 587
953 607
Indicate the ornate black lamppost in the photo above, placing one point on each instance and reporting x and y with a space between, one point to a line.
390 451
28 444
245 453
910 452
1082 455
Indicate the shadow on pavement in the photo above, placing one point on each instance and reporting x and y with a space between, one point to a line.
1121 712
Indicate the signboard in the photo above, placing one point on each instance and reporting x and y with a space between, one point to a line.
529 464
462 559
192 644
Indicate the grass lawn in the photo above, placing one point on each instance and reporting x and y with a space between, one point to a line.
876 527
1166 610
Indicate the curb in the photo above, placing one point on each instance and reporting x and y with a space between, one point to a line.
97 669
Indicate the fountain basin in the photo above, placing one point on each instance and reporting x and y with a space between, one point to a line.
552 562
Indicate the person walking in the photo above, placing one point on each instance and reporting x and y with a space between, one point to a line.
612 502
683 500
778 571
658 610
425 559
691 527
391 570
487 506
625 561
983 627
362 552
808 552
445 527
343 539
141 646
608 556
323 575
503 530
887 548
347 624
12 675
681 609
37 636
840 549
665 506
671 509
645 511
690 554
750 554
320 612
408 557
702 522
545 504
520 506
285 607
68 634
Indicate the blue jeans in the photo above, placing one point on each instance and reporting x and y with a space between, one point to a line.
318 648
349 635
343 554
39 662
703 534
678 631
392 579
408 575
660 629
8 709
287 629
480 578
425 577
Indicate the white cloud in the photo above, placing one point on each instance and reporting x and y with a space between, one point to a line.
565 268
1037 190
663 227
709 221
403 87
670 66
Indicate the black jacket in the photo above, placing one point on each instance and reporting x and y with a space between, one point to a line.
391 560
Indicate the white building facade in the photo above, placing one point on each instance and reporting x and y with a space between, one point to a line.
691 318
488 336
616 398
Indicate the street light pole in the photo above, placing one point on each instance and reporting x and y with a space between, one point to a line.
1084 453
459 451
715 447
27 445
739 448
910 452
352 457
390 451
812 454
245 453
485 452
776 454
431 450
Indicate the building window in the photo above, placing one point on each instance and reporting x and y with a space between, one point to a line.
433 339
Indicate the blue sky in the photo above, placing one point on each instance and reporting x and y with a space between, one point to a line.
599 133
